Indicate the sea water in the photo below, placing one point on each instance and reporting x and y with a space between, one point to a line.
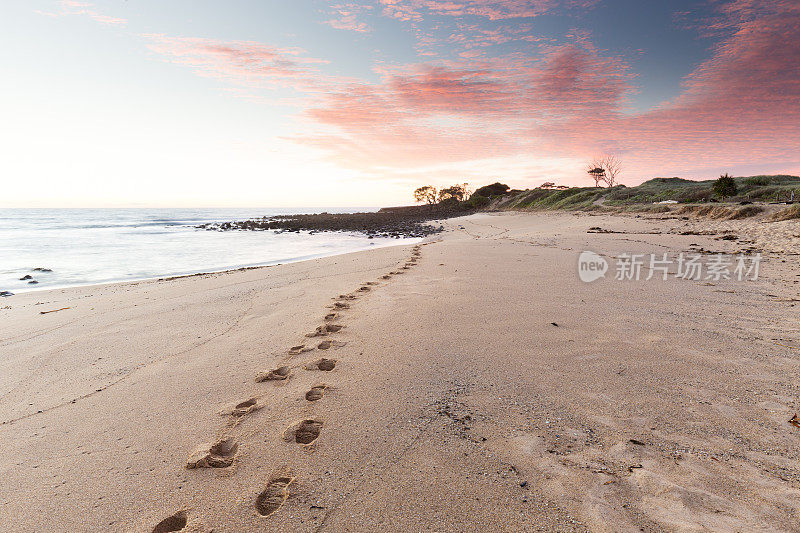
90 246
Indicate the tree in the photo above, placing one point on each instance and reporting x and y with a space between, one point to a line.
426 194
467 191
547 185
725 186
597 173
459 192
612 166
605 169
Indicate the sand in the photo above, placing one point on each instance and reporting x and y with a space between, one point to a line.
471 383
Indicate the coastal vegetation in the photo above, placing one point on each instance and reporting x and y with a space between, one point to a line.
653 195
699 198
777 188
725 186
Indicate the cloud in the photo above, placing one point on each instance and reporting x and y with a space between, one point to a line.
74 7
490 9
245 63
744 100
346 18
421 114
560 101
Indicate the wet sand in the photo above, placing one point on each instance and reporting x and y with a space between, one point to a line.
475 383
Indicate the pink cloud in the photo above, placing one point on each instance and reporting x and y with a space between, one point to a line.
567 100
744 101
428 114
441 90
347 18
74 7
240 62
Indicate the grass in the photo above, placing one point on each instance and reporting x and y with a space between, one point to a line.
571 199
642 197
790 213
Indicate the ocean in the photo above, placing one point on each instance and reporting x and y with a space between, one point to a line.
71 247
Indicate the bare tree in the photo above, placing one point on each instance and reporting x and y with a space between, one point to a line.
605 169
613 166
427 194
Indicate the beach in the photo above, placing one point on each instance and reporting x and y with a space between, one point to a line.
476 383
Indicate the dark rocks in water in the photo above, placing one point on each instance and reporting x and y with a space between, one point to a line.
40 269
25 277
32 282
394 222
6 294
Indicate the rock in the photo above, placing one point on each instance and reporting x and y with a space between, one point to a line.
26 277
40 269
6 294
32 282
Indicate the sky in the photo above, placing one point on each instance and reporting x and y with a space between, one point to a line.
229 103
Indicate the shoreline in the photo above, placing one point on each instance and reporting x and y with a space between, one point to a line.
168 277
469 387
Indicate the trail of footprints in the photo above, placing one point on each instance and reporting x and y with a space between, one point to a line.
222 453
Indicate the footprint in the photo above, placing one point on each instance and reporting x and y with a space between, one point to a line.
323 364
327 345
316 393
387 276
331 316
372 283
279 374
247 406
364 289
219 455
347 297
341 305
273 497
175 522
300 348
321 331
304 432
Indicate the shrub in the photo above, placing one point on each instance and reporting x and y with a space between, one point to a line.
448 203
495 189
757 180
725 186
476 201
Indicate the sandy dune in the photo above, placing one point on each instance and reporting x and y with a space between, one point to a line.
472 383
